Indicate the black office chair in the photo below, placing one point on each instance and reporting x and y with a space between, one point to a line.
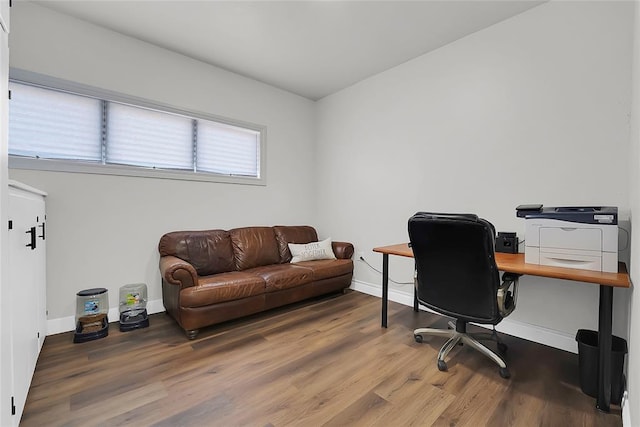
456 275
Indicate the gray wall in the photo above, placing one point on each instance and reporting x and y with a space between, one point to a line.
534 109
633 358
103 231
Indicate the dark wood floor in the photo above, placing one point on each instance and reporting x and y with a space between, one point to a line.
324 362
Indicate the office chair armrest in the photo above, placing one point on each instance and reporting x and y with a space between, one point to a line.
508 294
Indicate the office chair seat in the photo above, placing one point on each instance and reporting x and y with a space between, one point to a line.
456 275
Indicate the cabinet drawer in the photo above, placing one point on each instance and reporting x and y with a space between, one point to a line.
559 259
588 239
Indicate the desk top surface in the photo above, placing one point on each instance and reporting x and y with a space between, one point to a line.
514 263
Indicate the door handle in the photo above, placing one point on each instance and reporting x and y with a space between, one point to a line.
42 225
32 232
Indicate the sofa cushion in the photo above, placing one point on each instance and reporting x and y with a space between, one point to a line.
282 276
222 287
209 251
326 268
299 234
254 247
311 251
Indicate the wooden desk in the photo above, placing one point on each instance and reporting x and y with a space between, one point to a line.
514 263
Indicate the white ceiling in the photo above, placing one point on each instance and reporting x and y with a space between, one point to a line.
311 48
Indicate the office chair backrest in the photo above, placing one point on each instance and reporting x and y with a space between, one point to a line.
455 264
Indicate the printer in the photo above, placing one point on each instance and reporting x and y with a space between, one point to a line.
574 237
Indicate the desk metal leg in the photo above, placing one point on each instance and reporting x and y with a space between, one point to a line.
385 288
415 297
604 347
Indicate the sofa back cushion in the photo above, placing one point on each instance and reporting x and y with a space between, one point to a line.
209 251
254 247
299 234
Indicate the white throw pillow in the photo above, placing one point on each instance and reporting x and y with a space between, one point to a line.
311 251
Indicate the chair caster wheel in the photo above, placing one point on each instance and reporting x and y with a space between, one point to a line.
504 373
442 365
418 338
502 348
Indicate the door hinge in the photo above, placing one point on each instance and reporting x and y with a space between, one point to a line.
10 225
10 3
9 95
13 405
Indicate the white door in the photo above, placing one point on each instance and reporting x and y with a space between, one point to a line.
6 379
41 273
25 289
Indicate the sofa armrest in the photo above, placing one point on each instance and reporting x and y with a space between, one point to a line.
342 250
178 272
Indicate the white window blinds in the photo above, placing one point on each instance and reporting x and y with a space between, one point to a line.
141 137
53 125
227 149
59 125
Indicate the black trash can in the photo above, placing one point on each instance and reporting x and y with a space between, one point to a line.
588 356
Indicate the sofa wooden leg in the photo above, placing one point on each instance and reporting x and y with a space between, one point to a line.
192 334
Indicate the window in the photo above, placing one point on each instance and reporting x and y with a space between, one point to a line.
54 125
60 129
226 148
140 137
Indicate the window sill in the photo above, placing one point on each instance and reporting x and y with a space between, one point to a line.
16 162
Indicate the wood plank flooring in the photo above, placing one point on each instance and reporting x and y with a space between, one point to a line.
324 362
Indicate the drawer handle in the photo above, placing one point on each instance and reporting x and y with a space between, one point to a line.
570 261
32 232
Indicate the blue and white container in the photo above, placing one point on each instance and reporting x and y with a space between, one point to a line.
92 310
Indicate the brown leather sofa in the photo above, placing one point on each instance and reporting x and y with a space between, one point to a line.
212 276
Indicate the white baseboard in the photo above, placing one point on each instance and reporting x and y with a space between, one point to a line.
66 324
626 412
552 338
527 331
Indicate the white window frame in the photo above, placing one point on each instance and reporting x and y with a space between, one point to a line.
79 166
